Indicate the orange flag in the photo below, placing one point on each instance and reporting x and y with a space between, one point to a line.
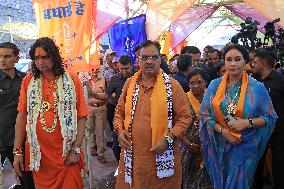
94 60
165 42
69 23
178 48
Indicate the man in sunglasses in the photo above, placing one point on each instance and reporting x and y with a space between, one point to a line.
152 112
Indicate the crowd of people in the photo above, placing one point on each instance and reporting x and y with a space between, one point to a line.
194 121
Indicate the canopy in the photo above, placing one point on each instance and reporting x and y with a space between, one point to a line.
270 9
20 31
182 17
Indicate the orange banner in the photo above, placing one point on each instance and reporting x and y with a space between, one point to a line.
69 23
165 42
178 48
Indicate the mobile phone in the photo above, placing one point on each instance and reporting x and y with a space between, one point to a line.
230 119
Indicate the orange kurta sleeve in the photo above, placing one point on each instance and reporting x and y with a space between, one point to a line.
22 105
182 116
22 108
82 108
119 115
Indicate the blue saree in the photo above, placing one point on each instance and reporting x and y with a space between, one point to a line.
233 166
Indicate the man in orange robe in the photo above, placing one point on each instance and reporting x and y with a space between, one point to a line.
56 161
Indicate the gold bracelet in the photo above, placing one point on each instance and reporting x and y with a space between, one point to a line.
15 149
17 152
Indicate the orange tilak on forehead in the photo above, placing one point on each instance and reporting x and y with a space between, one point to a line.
39 52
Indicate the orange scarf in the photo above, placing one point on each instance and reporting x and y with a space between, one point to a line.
196 107
248 66
218 98
194 103
159 107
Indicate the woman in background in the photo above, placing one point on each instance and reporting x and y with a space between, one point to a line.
195 175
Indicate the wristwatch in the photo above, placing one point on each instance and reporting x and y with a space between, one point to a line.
169 139
77 151
251 125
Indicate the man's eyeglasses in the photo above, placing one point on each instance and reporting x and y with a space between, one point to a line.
37 58
199 83
145 57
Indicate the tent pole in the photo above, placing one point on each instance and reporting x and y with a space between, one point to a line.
11 34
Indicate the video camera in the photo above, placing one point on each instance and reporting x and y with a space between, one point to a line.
247 33
270 31
246 36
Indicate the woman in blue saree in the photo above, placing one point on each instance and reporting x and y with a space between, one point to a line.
236 121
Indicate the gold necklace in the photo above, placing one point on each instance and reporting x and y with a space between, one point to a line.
45 106
232 106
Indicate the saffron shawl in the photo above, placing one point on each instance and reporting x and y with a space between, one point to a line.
194 103
161 122
220 93
159 107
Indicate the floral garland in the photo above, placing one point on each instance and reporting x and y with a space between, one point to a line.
164 161
67 113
